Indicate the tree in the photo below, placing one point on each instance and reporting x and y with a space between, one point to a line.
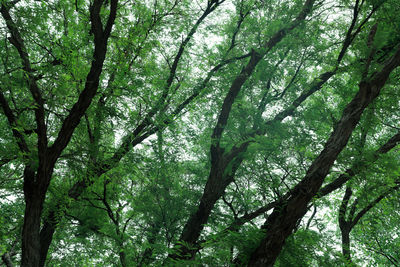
160 132
347 222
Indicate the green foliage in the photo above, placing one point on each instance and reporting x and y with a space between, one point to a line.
309 248
140 157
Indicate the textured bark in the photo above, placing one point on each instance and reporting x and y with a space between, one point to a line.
345 233
129 142
45 237
326 190
283 220
131 139
219 178
37 179
34 193
30 232
215 187
224 164
52 219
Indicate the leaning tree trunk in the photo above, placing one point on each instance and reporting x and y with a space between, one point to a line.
221 161
283 219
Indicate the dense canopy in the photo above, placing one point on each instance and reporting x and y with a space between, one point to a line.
199 133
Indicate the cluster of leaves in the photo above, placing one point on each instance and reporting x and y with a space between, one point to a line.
164 138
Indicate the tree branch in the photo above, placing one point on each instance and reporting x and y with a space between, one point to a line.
92 79
17 41
373 203
12 121
351 172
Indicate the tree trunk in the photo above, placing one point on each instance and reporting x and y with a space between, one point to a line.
346 244
30 233
282 221
214 189
34 198
218 180
122 257
46 236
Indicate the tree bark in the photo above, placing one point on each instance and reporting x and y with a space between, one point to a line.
122 257
30 232
346 244
37 179
346 224
34 199
351 172
224 164
46 236
282 221
131 139
214 189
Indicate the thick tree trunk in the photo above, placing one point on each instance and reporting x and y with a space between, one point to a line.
46 236
37 179
214 189
218 179
50 222
283 219
34 199
30 233
346 244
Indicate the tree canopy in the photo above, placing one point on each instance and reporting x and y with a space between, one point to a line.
199 133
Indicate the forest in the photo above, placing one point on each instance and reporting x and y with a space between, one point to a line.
199 133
